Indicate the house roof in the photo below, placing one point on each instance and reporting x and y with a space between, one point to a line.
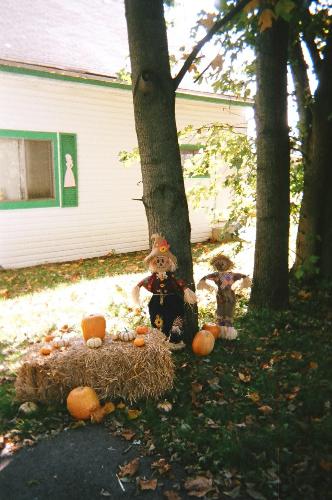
77 40
80 35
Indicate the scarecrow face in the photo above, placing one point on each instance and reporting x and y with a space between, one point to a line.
160 264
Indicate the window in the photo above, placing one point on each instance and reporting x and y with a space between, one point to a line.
27 169
33 173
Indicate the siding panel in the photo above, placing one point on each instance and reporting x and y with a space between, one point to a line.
107 218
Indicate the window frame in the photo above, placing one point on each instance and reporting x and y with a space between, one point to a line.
47 202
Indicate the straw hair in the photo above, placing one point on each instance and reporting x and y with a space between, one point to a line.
116 369
221 262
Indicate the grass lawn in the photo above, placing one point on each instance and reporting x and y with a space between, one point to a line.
254 416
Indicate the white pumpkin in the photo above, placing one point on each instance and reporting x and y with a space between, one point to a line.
58 342
94 342
127 336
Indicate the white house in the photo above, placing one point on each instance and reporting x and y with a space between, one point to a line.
64 194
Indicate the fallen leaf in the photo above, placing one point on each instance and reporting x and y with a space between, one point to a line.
128 434
104 493
130 468
325 465
296 355
199 486
4 293
148 484
303 295
132 414
254 396
161 466
244 377
165 406
266 409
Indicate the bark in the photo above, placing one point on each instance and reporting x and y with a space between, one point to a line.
304 105
164 195
322 126
314 238
270 279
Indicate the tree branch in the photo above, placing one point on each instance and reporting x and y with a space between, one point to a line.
215 28
309 40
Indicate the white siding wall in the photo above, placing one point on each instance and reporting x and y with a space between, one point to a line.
106 219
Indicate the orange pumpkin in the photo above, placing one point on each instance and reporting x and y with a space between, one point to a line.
141 329
48 338
93 325
82 402
139 342
213 328
203 343
45 351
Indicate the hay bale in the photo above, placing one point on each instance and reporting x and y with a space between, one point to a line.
116 369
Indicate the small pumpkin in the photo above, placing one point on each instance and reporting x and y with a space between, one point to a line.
94 342
203 343
126 336
48 338
45 350
139 342
213 328
93 325
82 402
142 329
58 342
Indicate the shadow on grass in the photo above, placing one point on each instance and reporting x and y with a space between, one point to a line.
28 280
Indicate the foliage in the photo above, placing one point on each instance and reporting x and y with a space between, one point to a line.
228 158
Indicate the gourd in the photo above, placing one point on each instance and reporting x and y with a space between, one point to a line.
58 342
94 342
93 325
139 342
126 336
213 328
48 338
203 343
45 350
142 329
82 402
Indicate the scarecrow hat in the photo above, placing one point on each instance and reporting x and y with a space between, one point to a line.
160 247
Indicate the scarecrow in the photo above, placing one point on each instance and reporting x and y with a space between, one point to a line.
166 306
224 278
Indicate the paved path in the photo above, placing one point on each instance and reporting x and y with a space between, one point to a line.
78 464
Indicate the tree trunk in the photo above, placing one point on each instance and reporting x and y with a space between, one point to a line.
270 280
164 195
314 238
322 156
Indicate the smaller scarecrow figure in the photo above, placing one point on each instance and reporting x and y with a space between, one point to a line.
166 306
224 279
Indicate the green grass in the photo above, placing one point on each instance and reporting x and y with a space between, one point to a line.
261 424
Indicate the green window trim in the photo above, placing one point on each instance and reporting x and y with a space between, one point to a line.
60 198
